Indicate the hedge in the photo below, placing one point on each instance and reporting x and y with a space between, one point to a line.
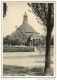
18 49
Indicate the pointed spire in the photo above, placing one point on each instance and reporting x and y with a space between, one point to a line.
25 14
25 20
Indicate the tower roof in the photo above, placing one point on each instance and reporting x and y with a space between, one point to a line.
25 14
25 18
25 26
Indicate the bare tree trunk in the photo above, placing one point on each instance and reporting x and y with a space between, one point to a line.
47 70
47 55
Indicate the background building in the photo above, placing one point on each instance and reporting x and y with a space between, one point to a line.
33 35
25 35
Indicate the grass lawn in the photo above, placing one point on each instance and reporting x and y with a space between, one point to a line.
26 63
23 71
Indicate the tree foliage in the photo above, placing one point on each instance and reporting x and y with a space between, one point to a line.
15 38
41 11
4 9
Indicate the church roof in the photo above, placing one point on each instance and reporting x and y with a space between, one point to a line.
25 27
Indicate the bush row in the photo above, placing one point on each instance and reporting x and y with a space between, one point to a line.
18 49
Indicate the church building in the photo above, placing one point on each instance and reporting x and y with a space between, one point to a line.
32 36
29 31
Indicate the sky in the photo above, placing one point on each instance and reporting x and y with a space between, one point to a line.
14 16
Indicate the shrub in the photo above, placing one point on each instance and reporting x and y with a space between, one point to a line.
18 49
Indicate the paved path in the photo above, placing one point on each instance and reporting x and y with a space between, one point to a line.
26 59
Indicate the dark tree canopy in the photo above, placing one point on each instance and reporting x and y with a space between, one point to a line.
4 9
41 11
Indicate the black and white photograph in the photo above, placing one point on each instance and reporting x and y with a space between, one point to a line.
28 39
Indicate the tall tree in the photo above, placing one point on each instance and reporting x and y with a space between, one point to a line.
4 9
45 11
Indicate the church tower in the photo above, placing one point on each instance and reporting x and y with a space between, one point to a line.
25 18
